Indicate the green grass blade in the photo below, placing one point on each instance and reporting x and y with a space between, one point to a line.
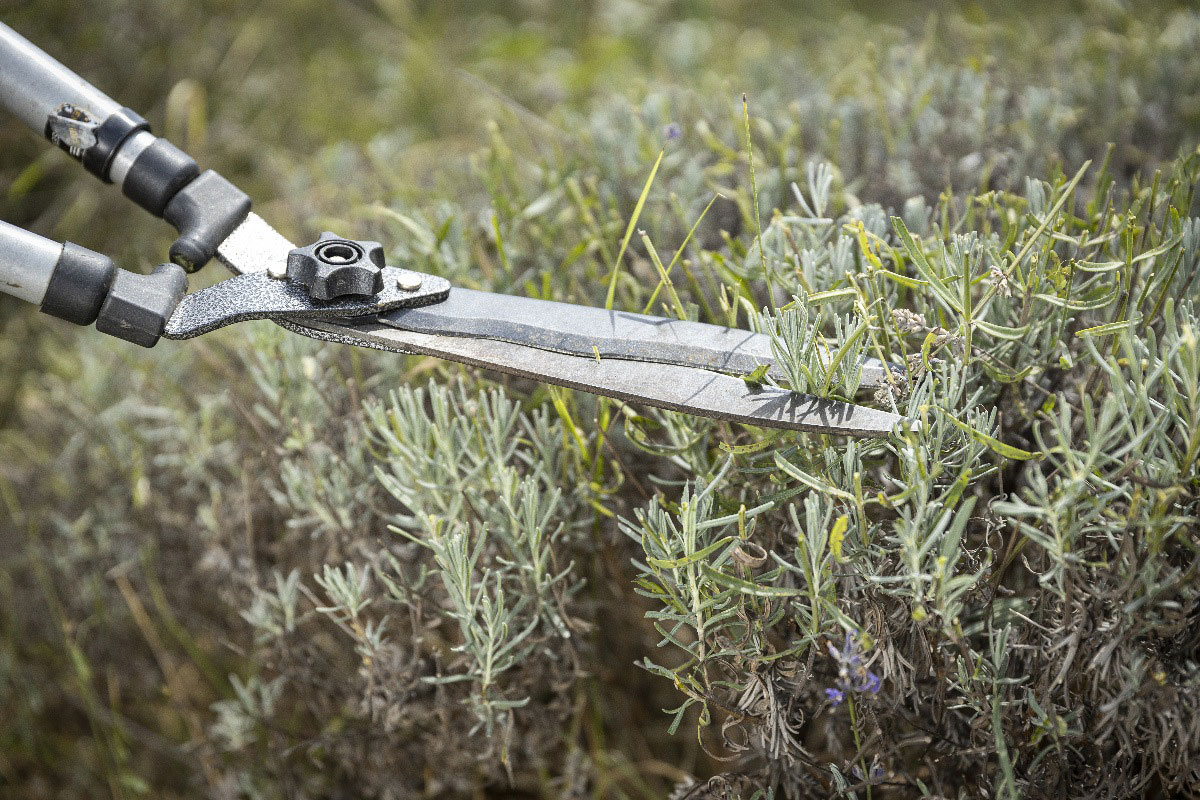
679 252
637 212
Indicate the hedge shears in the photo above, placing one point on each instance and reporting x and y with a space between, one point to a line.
343 290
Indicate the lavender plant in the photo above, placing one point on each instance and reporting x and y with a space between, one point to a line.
256 566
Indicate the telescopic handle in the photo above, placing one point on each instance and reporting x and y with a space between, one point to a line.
34 87
66 109
27 262
115 144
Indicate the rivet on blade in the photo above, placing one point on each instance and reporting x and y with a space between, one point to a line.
409 281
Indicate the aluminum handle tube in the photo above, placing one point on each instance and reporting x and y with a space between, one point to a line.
33 85
114 143
26 262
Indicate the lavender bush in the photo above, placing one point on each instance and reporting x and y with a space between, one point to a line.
257 566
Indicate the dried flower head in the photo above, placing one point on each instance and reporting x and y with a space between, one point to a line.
908 321
997 278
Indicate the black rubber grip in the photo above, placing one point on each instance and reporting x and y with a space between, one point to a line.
157 174
111 134
138 306
79 284
204 212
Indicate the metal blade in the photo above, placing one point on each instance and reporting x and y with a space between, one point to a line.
256 295
679 388
594 332
582 331
254 246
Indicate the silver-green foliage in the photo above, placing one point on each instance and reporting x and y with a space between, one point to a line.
255 565
477 479
1019 568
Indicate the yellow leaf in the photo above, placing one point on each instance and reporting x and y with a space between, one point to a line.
865 246
837 536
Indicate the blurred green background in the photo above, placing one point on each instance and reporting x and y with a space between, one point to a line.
262 90
327 111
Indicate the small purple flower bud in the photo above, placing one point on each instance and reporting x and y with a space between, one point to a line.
672 131
876 772
834 696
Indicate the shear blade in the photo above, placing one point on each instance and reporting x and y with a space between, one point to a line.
594 332
671 386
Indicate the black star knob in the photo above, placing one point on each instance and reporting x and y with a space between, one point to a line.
334 267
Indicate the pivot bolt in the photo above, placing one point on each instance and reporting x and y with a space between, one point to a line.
334 267
408 281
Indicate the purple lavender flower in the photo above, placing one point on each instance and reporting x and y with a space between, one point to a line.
834 696
876 771
853 675
672 131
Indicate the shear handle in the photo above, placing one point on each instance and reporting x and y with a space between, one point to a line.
83 286
115 144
